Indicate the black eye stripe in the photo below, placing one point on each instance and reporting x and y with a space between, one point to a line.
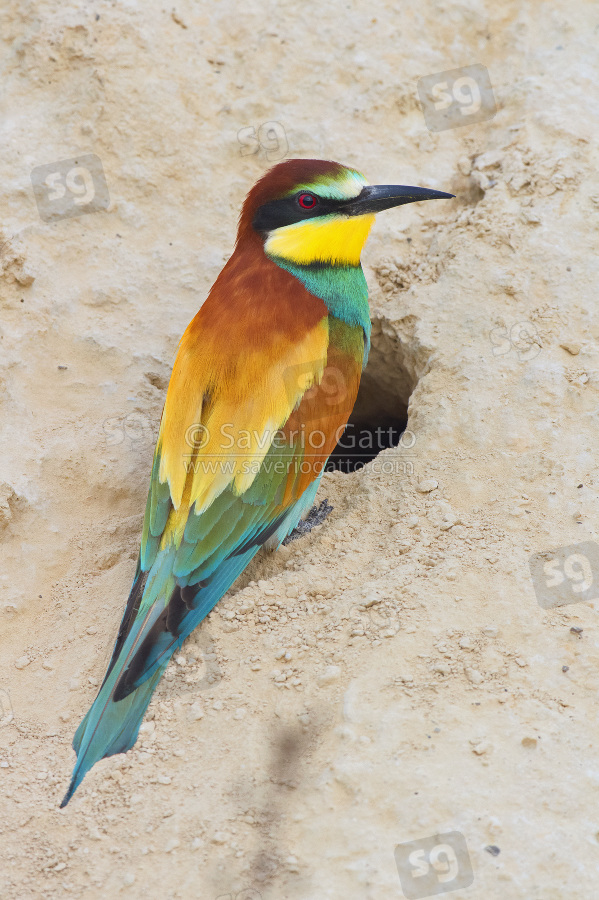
288 210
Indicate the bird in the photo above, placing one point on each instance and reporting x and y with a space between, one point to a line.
263 384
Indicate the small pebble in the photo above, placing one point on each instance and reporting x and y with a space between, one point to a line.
572 347
147 728
330 674
442 668
25 278
473 676
220 837
196 711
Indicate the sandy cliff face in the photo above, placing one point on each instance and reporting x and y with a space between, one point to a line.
392 675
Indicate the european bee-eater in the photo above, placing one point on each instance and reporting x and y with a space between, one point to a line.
264 381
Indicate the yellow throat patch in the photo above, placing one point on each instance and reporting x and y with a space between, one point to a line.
332 239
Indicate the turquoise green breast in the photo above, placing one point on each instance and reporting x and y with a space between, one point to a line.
343 289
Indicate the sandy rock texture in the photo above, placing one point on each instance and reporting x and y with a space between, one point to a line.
390 676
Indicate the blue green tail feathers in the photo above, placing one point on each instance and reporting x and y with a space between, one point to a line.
109 728
165 605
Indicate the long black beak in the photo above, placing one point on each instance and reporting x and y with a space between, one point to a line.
376 197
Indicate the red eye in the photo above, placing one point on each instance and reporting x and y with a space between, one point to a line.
307 201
